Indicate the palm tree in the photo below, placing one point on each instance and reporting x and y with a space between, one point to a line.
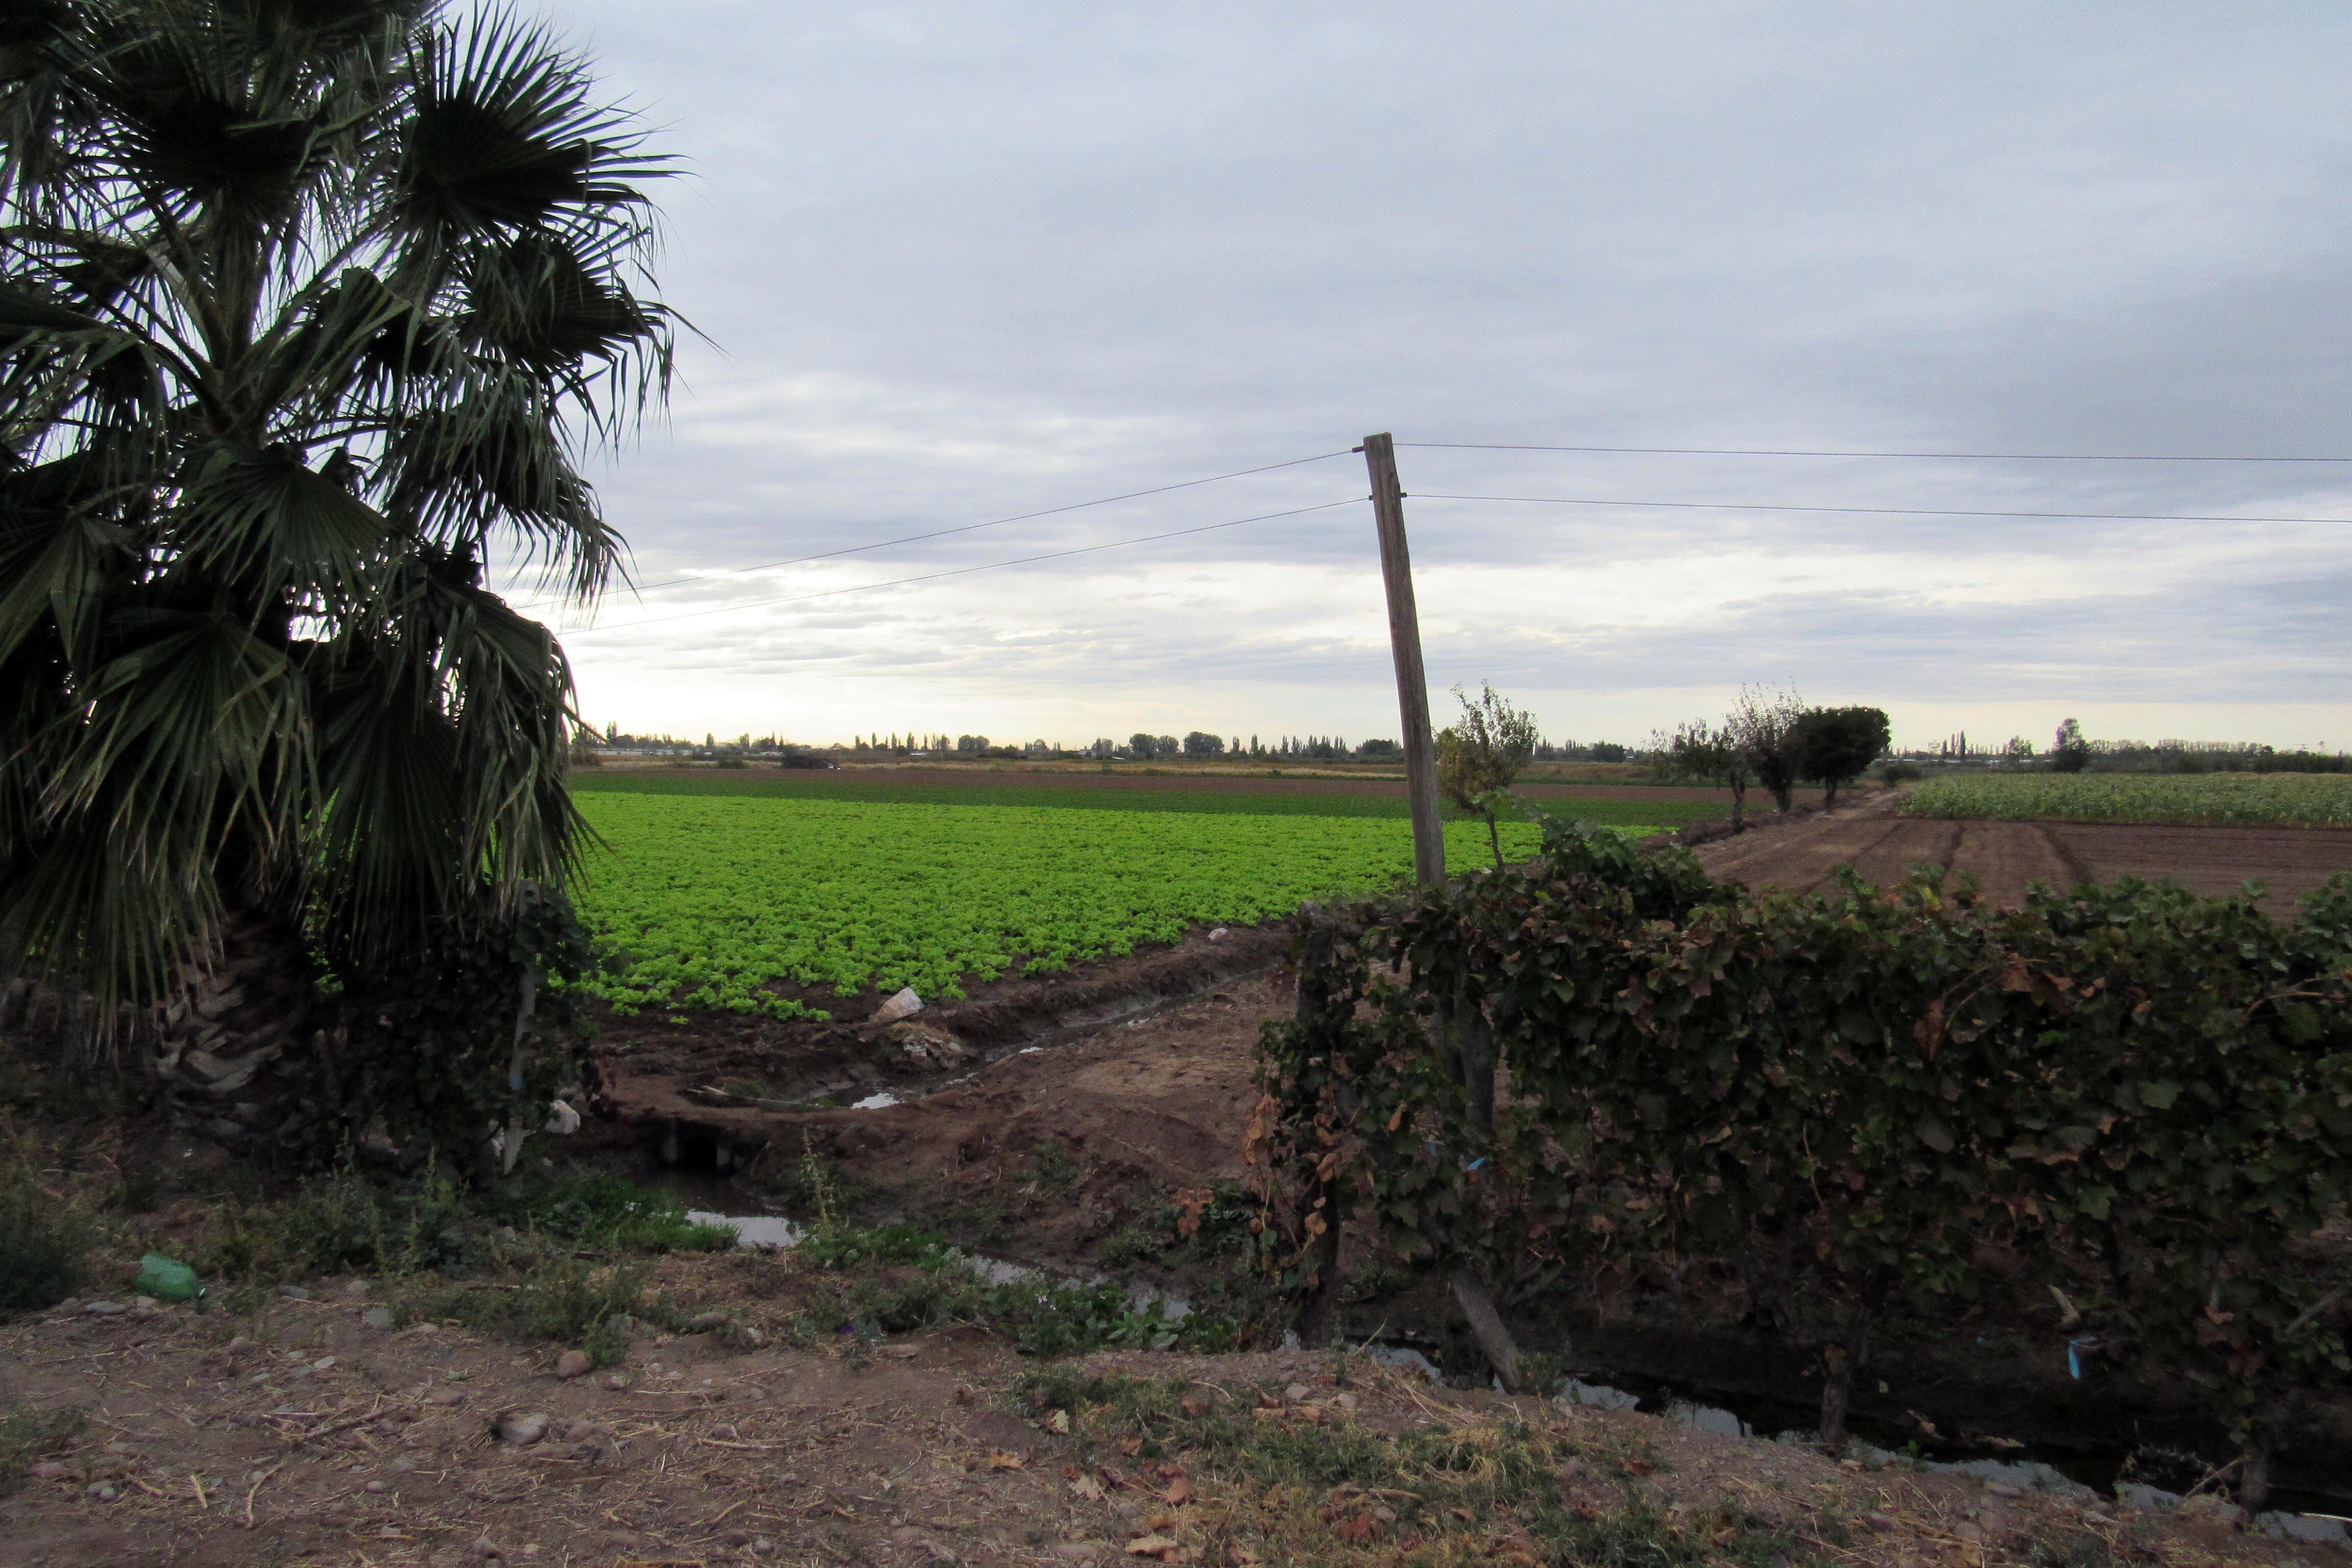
306 306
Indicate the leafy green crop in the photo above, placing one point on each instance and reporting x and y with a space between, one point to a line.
713 899
2248 800
1667 810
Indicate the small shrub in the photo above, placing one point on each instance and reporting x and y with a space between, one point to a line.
1053 1169
43 1242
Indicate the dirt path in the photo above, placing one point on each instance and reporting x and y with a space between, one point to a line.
302 1434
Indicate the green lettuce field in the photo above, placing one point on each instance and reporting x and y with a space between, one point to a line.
714 898
2245 799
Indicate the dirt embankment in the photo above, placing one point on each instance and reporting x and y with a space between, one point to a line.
305 1435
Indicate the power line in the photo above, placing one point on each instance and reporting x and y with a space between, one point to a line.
996 522
1881 510
965 571
1798 452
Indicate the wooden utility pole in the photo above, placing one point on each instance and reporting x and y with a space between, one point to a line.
1404 642
1464 1039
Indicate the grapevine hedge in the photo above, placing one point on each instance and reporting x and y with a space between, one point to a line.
2147 1094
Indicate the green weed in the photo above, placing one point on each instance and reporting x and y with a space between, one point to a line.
27 1433
1311 1488
44 1239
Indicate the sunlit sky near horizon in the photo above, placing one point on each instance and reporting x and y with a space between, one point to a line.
956 263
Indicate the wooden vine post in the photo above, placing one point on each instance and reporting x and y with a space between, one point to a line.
1471 1290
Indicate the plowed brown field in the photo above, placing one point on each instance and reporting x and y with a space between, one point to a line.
2006 856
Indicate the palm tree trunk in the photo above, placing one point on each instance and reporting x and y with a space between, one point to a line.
242 1052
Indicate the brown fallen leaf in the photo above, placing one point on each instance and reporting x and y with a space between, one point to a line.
1358 1530
1151 1546
1001 1460
1130 1447
1178 1492
1059 1421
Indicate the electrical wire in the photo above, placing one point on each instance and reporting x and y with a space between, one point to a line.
996 522
964 571
1881 510
1798 452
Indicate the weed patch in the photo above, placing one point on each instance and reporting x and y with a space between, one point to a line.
1255 1479
27 1433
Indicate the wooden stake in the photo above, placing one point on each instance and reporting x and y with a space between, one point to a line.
1404 643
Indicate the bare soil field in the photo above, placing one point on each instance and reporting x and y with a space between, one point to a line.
2005 856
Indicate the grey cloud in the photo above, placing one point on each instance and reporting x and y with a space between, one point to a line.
961 261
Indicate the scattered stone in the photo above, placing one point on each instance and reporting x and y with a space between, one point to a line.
103 1491
2004 1488
239 1344
521 1428
294 1292
1218 934
2139 1495
572 1364
482 1548
377 1318
49 1471
1297 1393
145 1303
103 1309
617 1382
376 1487
356 1290
905 1005
2316 1527
324 1363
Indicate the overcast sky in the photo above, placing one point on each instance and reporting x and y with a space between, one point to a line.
957 262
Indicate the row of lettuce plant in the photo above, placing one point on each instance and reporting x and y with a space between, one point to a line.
1601 1061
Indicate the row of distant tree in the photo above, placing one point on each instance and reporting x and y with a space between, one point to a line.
1141 746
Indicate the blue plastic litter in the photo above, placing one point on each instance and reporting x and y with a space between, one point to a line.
2074 1349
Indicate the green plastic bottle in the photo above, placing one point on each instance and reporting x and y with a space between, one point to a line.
168 1279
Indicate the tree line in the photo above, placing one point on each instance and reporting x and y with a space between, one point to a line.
1771 738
